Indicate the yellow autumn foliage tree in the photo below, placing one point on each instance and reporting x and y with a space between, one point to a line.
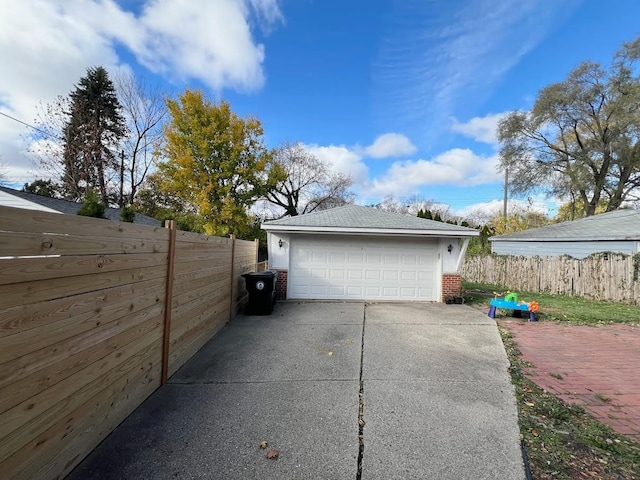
216 162
517 222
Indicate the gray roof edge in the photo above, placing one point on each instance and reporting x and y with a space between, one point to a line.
371 230
297 222
593 222
504 238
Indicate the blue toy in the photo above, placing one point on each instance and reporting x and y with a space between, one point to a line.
510 302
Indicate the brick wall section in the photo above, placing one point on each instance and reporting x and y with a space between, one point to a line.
281 285
451 286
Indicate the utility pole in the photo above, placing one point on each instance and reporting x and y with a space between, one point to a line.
506 189
121 202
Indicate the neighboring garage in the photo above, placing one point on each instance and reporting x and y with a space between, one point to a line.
362 253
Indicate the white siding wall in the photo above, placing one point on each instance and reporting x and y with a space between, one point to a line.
554 249
450 260
278 256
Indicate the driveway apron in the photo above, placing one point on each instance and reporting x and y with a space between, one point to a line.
435 396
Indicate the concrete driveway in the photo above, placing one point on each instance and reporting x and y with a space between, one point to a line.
342 390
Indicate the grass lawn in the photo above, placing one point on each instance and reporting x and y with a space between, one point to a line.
563 441
576 310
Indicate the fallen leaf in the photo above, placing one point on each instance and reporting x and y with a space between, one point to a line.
263 444
273 454
349 341
534 433
329 353
530 404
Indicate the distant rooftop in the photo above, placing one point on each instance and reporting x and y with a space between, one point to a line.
358 217
63 206
616 225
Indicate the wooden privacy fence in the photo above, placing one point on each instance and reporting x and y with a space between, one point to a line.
603 276
94 315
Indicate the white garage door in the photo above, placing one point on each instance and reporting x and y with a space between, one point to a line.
327 267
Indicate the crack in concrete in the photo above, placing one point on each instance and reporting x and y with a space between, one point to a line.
361 422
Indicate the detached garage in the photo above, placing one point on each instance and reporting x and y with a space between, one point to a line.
361 253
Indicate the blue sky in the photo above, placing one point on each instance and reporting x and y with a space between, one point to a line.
403 95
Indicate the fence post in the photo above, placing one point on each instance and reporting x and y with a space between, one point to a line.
233 274
166 335
257 242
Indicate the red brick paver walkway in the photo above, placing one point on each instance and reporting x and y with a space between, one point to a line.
595 367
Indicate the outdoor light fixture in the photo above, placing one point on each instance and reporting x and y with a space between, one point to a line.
449 248
280 243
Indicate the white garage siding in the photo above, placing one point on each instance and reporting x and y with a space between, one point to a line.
363 268
575 249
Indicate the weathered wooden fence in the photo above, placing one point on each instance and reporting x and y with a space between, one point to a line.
602 277
94 316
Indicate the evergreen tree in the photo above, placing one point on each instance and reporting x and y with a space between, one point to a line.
92 135
92 206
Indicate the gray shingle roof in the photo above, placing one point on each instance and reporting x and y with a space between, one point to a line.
358 217
71 208
616 225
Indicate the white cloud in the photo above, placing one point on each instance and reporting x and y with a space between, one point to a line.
460 167
434 61
390 145
49 45
343 160
216 48
483 211
481 129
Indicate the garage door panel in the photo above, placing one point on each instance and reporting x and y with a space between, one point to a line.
390 275
300 273
425 260
372 274
336 291
373 259
391 259
320 290
390 292
408 275
337 274
354 274
409 259
372 291
318 273
408 292
319 257
426 292
426 277
354 291
324 267
338 258
355 258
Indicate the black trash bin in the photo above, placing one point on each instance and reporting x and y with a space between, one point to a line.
262 292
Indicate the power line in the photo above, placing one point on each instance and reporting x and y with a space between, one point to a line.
30 126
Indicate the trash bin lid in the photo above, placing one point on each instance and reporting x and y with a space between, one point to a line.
264 274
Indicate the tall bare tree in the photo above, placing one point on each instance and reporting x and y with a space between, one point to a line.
144 109
302 183
581 140
62 156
